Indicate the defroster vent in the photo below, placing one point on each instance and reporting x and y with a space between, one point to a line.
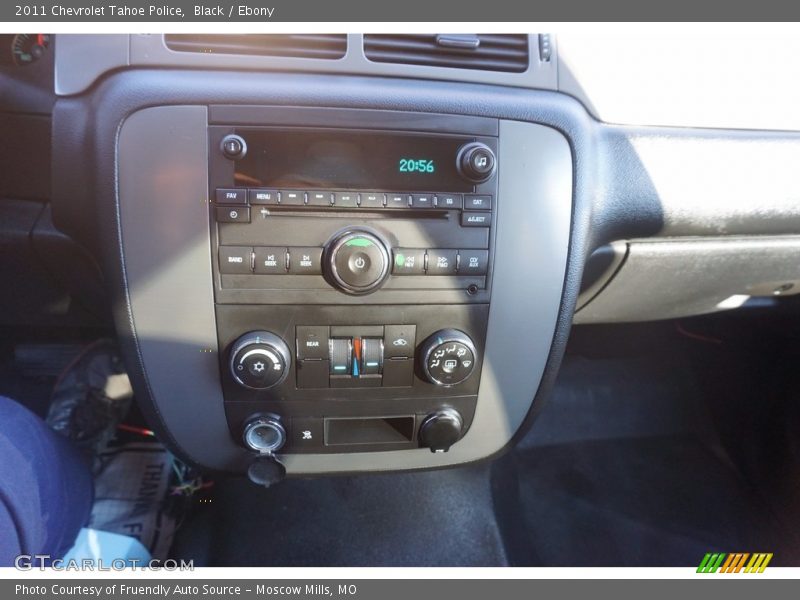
324 46
483 52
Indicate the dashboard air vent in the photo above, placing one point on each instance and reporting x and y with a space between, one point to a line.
325 46
484 52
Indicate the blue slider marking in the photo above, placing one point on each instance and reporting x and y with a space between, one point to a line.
355 368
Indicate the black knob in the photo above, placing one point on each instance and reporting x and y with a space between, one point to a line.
448 357
357 261
264 434
233 147
440 430
476 162
259 360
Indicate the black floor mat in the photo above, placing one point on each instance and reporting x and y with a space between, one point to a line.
655 501
437 518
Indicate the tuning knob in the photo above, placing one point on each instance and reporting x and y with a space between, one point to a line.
259 360
448 357
357 261
476 162
440 430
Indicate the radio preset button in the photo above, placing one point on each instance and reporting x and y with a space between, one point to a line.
372 200
263 196
320 198
477 202
235 259
233 214
345 199
473 262
442 262
408 261
422 200
305 261
397 200
270 260
293 198
476 219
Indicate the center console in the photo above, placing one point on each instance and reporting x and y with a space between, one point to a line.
347 290
352 277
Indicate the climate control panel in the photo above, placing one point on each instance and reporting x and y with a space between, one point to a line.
336 386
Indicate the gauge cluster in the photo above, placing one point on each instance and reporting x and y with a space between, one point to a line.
23 49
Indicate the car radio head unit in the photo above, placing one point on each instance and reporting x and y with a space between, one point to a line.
352 283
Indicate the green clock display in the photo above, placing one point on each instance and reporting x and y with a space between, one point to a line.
417 165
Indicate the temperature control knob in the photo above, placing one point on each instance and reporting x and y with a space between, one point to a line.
476 162
357 261
448 357
259 360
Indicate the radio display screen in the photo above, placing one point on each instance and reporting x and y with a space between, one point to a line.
349 160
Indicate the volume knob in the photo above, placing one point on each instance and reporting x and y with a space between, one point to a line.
357 262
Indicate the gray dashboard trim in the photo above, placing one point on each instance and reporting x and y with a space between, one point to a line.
165 241
166 257
78 67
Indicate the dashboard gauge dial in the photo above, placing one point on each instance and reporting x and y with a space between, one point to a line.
27 48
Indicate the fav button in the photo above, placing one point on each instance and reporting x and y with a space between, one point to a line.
231 196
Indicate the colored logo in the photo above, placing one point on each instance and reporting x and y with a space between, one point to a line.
739 562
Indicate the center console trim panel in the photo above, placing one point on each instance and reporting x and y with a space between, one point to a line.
166 247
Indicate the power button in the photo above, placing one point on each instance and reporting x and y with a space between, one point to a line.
358 262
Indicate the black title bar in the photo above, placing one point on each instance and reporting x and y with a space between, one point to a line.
263 11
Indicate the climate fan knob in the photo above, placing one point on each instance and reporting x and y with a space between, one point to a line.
259 360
